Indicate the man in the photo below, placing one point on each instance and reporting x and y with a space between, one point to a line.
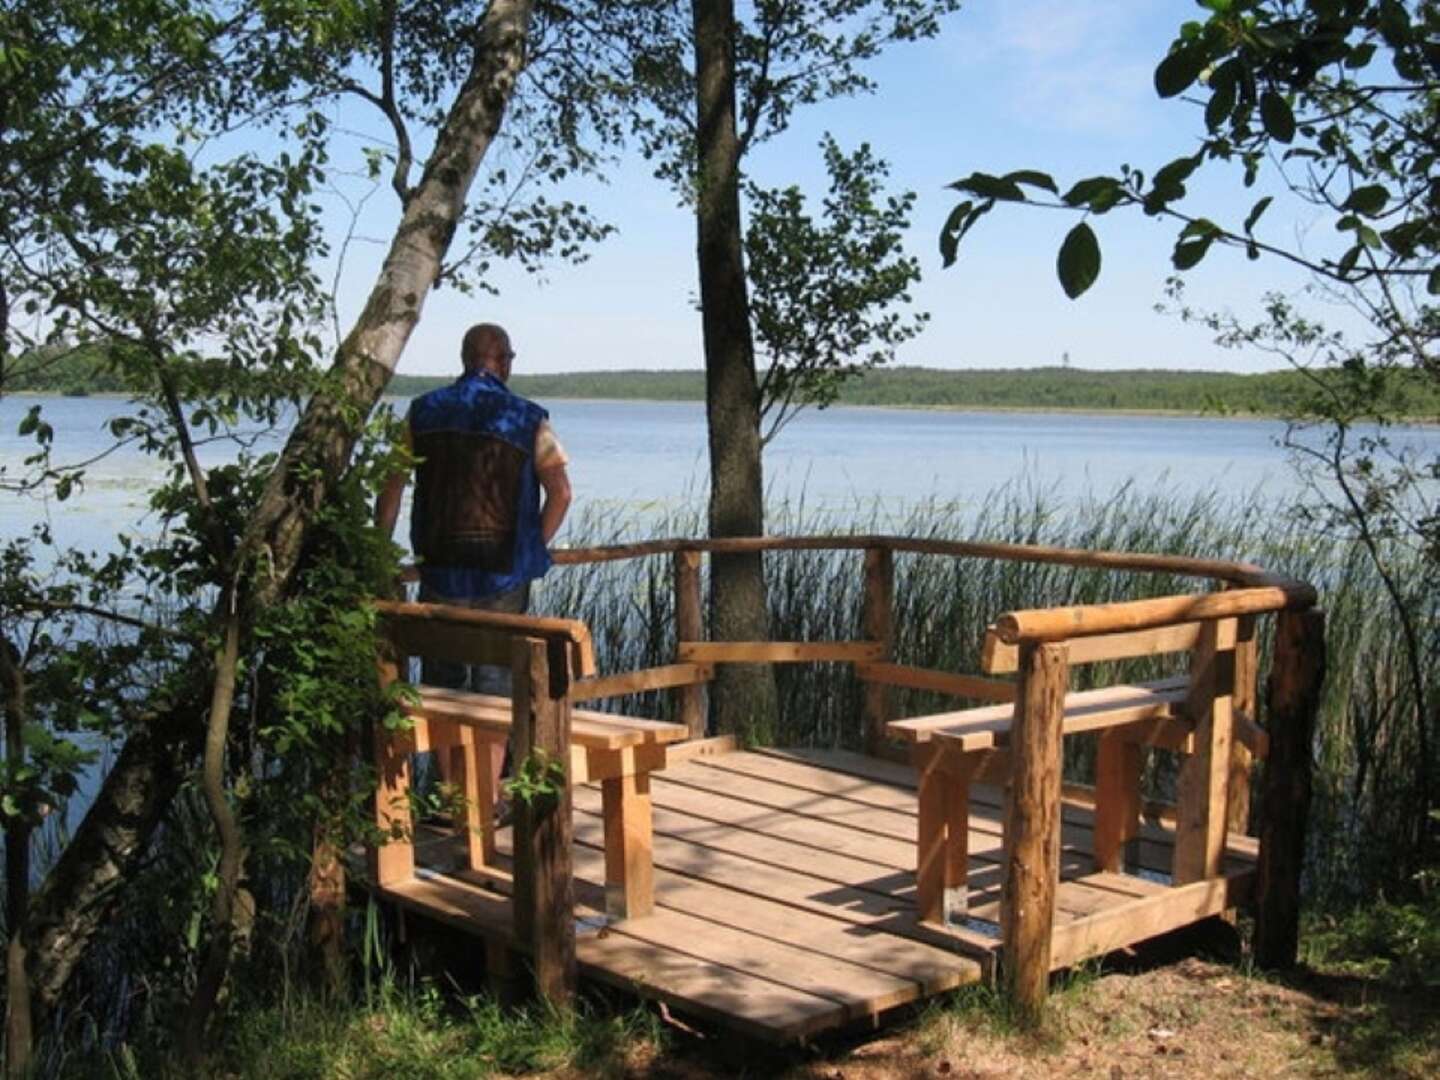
478 524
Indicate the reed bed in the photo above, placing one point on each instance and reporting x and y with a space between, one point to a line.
1367 796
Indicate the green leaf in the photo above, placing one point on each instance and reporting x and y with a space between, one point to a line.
1189 252
1092 192
1078 264
1033 179
1275 114
990 187
1255 212
950 233
1177 71
1368 200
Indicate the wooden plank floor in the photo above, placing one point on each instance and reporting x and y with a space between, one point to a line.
784 892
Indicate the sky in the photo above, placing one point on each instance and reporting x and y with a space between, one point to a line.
1061 85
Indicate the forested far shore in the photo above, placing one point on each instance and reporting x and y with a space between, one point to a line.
1273 393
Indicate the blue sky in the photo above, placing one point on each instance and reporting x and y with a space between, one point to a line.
1063 86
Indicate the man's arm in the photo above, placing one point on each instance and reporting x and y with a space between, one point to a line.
555 482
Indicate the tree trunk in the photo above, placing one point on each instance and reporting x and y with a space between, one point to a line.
82 889
742 697
19 1031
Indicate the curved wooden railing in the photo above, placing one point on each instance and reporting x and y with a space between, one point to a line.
1245 591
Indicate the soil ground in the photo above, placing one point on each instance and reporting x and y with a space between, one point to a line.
1186 1017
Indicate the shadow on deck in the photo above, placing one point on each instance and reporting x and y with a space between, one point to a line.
785 893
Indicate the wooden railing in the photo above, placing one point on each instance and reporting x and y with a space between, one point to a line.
1041 640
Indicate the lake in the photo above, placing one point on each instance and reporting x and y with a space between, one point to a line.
631 460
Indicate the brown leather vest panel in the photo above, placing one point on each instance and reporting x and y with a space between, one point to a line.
467 492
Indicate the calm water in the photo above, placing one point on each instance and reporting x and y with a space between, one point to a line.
634 458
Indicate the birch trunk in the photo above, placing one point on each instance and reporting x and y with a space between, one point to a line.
82 890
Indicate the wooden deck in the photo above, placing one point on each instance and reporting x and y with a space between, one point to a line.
785 893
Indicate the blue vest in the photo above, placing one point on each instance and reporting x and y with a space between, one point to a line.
475 521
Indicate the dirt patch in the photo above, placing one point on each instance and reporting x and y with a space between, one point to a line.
1190 1018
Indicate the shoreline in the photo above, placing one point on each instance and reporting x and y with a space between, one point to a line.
1034 410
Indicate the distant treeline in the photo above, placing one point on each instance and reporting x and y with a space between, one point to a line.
1275 393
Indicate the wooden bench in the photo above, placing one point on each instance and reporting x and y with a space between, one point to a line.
618 752
1198 714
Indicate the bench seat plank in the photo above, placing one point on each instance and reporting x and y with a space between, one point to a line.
1085 710
588 728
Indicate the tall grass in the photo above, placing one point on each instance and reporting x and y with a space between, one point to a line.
1366 742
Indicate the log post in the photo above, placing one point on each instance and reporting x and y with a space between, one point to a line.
544 886
689 626
1118 766
877 624
1247 683
1296 676
394 860
1032 825
1200 816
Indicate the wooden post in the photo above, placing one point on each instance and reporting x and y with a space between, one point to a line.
394 860
877 618
479 791
1118 762
544 886
1032 825
1200 814
689 626
629 859
1296 677
1247 681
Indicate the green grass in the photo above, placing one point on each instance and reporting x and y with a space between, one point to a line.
406 1032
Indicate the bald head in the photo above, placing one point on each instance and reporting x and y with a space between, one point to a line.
486 347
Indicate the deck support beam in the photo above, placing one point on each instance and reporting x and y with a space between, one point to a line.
877 619
689 626
1296 678
544 884
1032 826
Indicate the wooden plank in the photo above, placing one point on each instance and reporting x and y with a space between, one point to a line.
932 970
715 746
544 889
1032 827
1297 593
930 836
758 865
690 626
458 643
1076 813
478 786
1250 741
956 684
1296 680
778 652
629 872
1117 798
846 992
393 860
638 682
1085 710
1204 775
877 617
491 714
1139 920
1068 623
999 657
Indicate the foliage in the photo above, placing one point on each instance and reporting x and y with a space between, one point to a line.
1337 97
823 295
1336 104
